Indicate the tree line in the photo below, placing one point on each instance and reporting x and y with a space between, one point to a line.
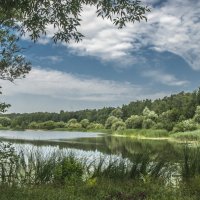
165 113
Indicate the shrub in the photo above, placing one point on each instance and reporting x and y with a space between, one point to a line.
47 125
33 125
118 126
110 121
186 125
197 115
148 114
72 121
135 121
84 123
117 112
73 124
148 123
5 121
60 124
94 125
68 170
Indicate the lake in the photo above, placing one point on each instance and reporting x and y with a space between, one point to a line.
89 145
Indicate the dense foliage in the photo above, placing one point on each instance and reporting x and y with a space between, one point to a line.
179 113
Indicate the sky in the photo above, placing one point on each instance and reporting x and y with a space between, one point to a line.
112 67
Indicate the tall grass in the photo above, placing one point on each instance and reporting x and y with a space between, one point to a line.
144 132
189 135
138 178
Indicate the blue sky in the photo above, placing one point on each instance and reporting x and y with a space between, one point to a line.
111 67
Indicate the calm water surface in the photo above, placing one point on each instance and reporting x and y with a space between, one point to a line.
90 145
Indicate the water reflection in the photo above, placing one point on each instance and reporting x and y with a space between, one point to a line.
91 145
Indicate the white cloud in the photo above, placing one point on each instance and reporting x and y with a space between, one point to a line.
71 87
54 59
164 78
51 90
173 26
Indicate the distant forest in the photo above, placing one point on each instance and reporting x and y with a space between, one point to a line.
178 107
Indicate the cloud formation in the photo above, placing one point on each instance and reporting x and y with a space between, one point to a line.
57 84
164 78
172 26
52 90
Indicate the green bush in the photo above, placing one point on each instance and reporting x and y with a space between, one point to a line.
94 125
68 170
84 123
197 115
186 125
118 126
60 124
73 124
117 112
134 122
33 125
5 121
49 125
148 123
110 121
148 114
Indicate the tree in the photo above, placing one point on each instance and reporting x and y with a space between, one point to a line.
148 114
65 15
118 126
135 121
197 115
110 121
84 123
117 112
5 121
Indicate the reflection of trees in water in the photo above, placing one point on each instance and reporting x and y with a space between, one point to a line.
125 146
128 147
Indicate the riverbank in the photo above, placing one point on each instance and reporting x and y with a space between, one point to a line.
157 134
66 177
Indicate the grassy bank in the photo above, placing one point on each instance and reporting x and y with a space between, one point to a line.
103 189
33 176
189 135
144 133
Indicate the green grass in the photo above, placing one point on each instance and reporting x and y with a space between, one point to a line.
103 189
64 177
144 133
189 135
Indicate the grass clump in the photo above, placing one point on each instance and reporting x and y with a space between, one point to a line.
144 132
188 135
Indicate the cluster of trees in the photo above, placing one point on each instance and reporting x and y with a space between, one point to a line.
179 112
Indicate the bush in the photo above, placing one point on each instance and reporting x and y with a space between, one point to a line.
95 126
73 124
197 115
84 123
5 121
148 123
33 125
148 114
117 112
110 121
186 125
47 125
118 126
68 170
134 122
60 124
